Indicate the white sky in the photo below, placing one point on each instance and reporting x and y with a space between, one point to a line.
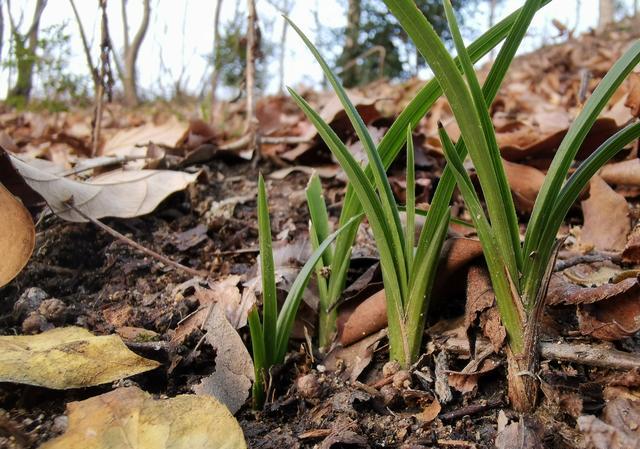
181 33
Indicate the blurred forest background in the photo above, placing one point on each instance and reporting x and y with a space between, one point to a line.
58 53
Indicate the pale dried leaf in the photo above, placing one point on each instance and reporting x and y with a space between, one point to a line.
118 193
17 236
131 418
606 218
69 357
234 373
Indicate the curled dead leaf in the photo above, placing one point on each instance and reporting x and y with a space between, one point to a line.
69 357
17 236
118 193
618 428
131 418
233 375
606 218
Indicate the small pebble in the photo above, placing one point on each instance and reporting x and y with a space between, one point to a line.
390 368
402 379
390 395
35 323
309 387
28 302
60 424
53 310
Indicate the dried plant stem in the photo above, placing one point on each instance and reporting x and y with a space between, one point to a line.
590 355
123 238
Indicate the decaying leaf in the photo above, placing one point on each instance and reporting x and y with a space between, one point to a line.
17 236
606 218
622 173
618 428
525 183
481 306
356 357
430 412
633 98
233 375
131 418
69 357
631 251
522 434
118 193
368 317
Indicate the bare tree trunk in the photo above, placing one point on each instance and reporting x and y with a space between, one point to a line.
127 70
351 50
283 46
318 28
606 11
252 120
215 75
635 8
578 10
104 79
1 29
25 48
492 20
85 46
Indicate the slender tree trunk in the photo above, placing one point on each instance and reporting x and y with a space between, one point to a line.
635 8
350 51
1 29
25 48
215 76
95 77
606 11
283 46
127 70
252 120
492 20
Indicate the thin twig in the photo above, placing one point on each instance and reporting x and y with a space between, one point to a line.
139 247
590 355
469 410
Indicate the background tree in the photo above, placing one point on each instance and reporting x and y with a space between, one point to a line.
369 28
605 13
215 75
24 52
127 67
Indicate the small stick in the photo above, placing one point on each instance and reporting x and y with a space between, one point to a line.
586 258
469 410
139 247
590 355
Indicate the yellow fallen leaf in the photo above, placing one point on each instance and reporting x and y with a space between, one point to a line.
131 418
69 357
17 236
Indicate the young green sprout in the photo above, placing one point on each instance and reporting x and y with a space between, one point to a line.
270 335
390 146
519 272
407 273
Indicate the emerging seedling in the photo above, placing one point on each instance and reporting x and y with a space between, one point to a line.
519 272
390 146
270 336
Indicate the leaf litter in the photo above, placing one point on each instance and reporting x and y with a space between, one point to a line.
196 326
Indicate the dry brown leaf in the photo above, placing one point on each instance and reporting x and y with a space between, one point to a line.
118 193
481 305
613 319
368 317
131 418
522 434
429 413
132 141
618 428
356 357
633 98
17 236
69 357
631 251
525 183
606 218
561 291
467 382
233 375
622 173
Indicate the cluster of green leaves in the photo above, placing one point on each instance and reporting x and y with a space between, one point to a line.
393 140
517 270
49 62
270 335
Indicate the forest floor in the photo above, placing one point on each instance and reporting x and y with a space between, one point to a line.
455 396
